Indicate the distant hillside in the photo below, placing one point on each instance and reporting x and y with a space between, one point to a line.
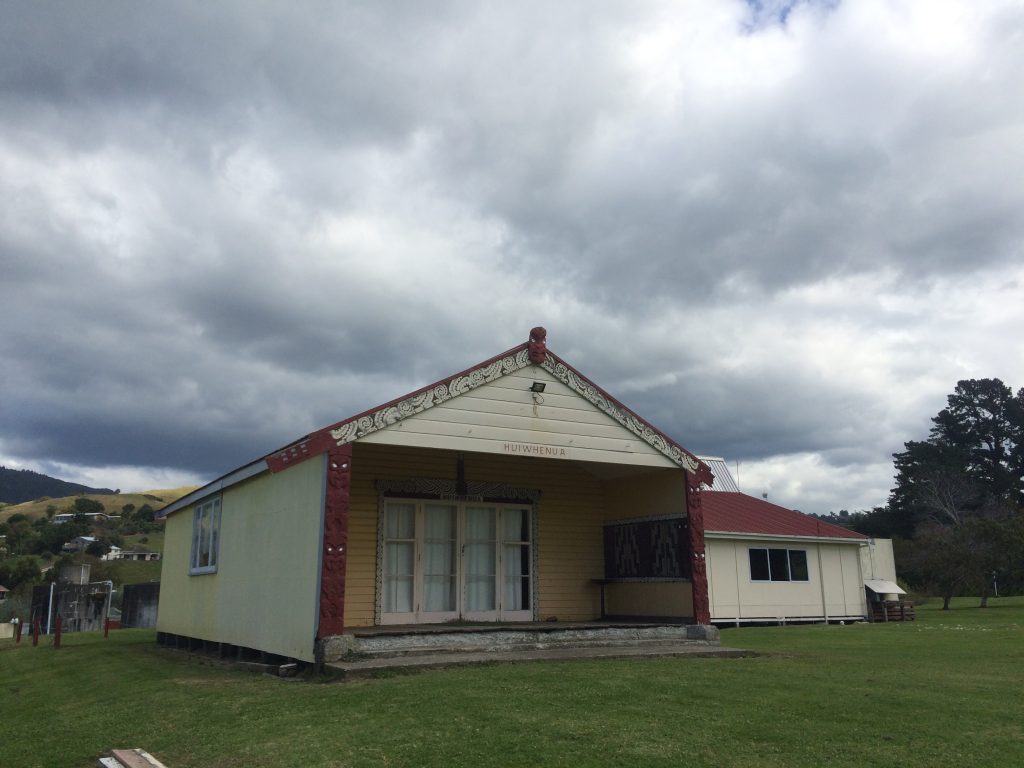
111 502
18 485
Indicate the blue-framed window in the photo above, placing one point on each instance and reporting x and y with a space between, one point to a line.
205 536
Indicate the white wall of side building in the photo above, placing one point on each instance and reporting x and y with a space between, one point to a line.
877 561
834 589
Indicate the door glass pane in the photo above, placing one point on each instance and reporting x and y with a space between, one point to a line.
398 577
401 521
399 557
515 559
515 525
439 558
480 559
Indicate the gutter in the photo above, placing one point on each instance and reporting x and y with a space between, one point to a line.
257 467
785 537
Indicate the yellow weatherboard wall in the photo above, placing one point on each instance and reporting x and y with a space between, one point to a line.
571 513
264 593
569 520
660 493
660 599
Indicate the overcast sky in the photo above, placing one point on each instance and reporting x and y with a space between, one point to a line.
780 231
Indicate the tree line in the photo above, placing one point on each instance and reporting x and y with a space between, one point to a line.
955 512
18 485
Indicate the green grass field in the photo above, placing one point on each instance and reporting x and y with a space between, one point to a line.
944 691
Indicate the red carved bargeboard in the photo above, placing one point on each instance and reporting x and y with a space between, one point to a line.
698 571
335 552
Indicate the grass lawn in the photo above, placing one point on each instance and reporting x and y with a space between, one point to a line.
944 691
154 541
134 571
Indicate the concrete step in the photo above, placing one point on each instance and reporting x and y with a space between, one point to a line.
372 667
368 644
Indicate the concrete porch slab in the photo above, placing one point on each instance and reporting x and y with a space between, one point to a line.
370 667
362 644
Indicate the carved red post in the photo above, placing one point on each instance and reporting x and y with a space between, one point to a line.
335 552
56 632
106 628
17 630
698 567
35 633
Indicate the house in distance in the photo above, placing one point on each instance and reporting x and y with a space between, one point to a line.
515 491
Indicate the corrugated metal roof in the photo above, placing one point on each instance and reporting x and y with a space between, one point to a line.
723 477
730 512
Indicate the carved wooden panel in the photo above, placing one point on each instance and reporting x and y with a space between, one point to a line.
335 543
699 577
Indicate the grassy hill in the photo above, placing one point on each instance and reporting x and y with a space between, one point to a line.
112 502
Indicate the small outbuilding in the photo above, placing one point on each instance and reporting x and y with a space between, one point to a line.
767 563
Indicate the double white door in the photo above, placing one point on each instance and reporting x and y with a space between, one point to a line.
449 561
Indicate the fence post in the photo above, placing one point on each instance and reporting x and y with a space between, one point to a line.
17 630
56 631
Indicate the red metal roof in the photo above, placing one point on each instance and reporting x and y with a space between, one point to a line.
730 512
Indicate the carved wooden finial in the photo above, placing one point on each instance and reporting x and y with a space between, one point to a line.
538 347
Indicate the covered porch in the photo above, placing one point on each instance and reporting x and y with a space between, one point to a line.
470 543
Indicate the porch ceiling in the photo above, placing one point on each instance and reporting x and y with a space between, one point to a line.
605 471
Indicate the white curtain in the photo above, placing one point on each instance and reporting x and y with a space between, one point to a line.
398 576
399 557
515 560
480 558
439 558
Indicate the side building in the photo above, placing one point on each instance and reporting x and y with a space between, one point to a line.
767 563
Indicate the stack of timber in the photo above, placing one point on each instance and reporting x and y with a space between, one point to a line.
893 611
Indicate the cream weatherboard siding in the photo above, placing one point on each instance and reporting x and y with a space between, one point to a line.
877 561
505 417
734 595
264 592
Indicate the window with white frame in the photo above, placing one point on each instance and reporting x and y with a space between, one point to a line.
771 564
205 537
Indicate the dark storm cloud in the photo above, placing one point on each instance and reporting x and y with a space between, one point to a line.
774 229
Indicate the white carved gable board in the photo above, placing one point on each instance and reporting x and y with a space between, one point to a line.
495 411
